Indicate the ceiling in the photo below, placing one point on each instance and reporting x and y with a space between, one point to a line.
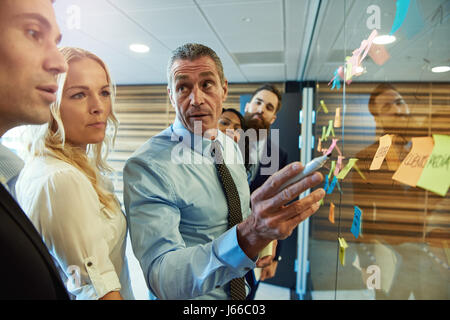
257 40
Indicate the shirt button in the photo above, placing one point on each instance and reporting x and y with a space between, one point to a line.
247 269
89 264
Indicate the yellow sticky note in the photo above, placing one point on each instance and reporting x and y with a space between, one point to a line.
412 166
436 174
331 213
383 148
342 246
337 118
324 135
355 166
343 173
333 166
324 106
330 129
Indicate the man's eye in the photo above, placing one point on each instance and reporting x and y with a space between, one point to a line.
34 33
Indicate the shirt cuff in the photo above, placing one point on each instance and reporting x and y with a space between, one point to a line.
230 253
103 283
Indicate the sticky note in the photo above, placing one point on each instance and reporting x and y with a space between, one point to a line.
412 166
338 165
325 187
330 129
436 174
413 23
356 225
337 118
333 144
324 137
383 148
379 54
355 166
333 166
342 246
331 213
347 168
324 106
400 14
319 145
332 185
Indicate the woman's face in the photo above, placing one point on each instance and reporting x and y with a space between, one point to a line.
228 123
86 103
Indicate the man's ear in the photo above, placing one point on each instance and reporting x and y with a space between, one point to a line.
169 93
273 119
247 106
225 90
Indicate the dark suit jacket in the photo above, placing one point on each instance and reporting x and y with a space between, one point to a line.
26 267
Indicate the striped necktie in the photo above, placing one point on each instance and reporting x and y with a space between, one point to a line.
237 286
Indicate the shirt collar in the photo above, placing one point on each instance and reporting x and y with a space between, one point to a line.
195 142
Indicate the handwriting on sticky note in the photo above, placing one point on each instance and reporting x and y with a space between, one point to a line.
436 174
331 213
412 166
342 246
356 225
383 148
347 168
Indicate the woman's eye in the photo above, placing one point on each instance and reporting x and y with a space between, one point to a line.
78 95
106 93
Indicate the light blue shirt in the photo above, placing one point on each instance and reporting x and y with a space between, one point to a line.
177 215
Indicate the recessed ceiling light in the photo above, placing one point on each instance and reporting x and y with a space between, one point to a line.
139 48
384 39
439 69
247 19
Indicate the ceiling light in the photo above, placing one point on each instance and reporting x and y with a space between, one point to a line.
439 69
385 39
246 19
139 48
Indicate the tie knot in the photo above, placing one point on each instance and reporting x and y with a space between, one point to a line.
216 152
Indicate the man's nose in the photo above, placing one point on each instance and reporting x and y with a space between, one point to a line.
54 61
196 96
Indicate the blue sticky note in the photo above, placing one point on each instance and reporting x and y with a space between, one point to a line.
325 187
356 225
413 23
400 15
332 185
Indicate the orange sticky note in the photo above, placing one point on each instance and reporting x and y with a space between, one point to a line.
331 214
412 166
385 144
379 54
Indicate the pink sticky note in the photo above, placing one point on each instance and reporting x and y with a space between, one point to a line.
330 149
338 165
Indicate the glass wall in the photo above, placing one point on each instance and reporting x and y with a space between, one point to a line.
382 231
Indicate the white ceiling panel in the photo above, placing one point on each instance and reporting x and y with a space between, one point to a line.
257 40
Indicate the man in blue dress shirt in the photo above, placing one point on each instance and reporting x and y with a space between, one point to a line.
176 208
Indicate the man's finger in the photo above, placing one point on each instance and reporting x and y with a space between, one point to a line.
273 204
275 181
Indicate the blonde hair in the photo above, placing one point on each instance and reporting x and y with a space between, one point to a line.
50 137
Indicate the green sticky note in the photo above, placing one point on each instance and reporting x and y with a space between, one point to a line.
343 173
436 173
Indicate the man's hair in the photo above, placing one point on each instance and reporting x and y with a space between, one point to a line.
193 51
382 87
238 114
274 90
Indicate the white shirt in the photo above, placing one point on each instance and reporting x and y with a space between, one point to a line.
10 166
82 235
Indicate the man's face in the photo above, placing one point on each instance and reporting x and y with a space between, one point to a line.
260 112
196 92
391 110
29 62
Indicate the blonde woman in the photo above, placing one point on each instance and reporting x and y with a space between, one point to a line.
62 187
